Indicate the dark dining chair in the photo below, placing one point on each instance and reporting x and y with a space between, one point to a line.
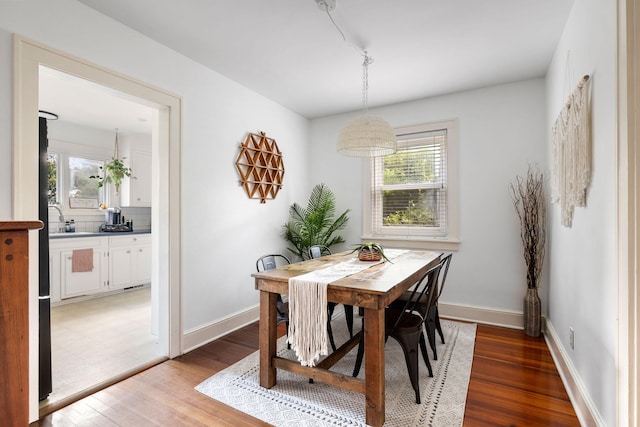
405 325
269 262
431 313
316 251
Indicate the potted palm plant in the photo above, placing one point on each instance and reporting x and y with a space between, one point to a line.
314 225
528 198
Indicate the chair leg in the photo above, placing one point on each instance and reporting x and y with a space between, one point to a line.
360 354
425 356
438 326
409 344
348 314
330 333
330 308
430 326
288 343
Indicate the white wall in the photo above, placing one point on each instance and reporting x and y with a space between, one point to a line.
583 258
222 232
501 131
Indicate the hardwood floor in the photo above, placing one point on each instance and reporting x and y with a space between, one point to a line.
513 383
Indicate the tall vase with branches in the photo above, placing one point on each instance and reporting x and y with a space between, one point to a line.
314 225
529 202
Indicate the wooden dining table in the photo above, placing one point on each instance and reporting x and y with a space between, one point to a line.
373 290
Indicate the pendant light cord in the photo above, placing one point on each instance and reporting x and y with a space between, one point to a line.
115 148
344 38
365 82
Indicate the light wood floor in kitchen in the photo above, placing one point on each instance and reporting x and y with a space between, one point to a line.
98 341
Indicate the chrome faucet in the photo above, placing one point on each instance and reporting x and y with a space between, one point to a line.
60 218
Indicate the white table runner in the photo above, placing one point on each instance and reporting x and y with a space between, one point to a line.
308 307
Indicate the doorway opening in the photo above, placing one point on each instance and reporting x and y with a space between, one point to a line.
96 323
165 216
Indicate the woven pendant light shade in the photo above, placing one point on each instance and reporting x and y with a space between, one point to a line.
367 136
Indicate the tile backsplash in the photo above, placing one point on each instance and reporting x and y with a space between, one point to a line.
141 217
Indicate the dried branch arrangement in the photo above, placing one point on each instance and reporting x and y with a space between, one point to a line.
528 198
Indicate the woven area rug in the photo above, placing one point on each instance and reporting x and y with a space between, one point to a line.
296 402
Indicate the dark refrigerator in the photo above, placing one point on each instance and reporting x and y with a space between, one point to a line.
44 295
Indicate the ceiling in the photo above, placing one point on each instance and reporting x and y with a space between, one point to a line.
291 52
79 101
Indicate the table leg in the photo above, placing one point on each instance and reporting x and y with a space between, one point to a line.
267 338
374 366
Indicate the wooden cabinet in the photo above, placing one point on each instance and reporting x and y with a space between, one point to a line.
14 321
129 261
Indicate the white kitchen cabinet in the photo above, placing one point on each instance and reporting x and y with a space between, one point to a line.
129 261
120 267
138 190
83 283
143 261
65 282
118 262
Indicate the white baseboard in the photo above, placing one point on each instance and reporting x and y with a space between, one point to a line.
582 403
489 316
202 335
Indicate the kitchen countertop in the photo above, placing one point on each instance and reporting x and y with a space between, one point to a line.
94 234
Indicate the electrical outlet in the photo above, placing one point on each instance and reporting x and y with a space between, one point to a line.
571 338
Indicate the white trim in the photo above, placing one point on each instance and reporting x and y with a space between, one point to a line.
628 231
204 334
28 56
414 243
197 337
583 405
488 316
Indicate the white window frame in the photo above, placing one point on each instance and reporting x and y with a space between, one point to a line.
64 150
415 239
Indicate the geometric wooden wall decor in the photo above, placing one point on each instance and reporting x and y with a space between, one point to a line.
260 167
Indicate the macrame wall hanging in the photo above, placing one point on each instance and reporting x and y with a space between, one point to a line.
260 167
572 152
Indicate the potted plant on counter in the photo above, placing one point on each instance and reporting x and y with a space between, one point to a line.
370 252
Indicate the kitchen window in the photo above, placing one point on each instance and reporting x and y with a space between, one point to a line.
70 185
413 193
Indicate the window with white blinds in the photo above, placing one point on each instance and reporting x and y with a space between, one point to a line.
410 189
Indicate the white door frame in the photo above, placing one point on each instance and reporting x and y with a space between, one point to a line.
628 357
28 56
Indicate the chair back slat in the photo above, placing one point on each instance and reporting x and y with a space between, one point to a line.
443 272
271 261
316 251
